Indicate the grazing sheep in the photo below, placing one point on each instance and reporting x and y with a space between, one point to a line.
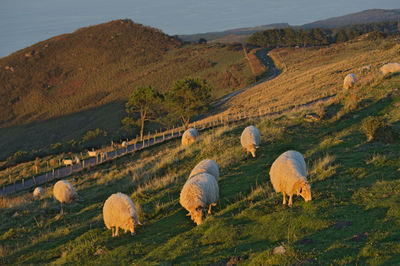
206 166
119 211
349 81
250 139
199 192
288 175
38 192
390 68
64 192
92 153
67 162
77 160
124 144
189 136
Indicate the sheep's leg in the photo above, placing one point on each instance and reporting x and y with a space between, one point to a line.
209 207
112 231
284 198
62 210
290 200
116 230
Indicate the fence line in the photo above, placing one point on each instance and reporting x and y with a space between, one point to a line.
148 141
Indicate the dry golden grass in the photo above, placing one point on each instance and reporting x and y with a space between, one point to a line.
309 74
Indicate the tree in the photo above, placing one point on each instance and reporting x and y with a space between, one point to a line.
143 103
202 41
189 97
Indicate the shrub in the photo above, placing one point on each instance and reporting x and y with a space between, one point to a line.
375 129
18 157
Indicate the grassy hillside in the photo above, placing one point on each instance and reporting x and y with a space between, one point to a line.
309 74
353 218
77 82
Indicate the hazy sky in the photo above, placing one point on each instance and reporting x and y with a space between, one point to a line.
25 22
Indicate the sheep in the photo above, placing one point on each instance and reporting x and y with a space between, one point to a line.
92 153
250 139
64 192
390 68
206 166
119 211
189 136
77 160
38 192
349 81
199 192
124 144
288 175
67 162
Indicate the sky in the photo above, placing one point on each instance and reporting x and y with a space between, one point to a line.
25 22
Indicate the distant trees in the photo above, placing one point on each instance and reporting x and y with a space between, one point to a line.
290 37
144 101
189 97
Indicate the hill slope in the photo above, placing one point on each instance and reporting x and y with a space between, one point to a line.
366 16
60 88
352 219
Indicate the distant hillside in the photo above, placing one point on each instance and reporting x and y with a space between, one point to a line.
63 87
366 16
229 36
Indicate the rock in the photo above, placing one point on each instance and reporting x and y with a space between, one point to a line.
16 214
279 250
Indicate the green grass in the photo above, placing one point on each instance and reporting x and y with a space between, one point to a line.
354 217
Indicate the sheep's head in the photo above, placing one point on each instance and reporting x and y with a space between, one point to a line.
253 150
130 225
197 215
303 189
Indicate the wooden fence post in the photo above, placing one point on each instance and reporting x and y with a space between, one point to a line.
15 187
34 180
23 182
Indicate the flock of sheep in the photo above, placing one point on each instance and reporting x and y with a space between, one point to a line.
201 190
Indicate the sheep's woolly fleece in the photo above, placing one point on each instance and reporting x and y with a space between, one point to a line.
289 171
199 192
117 209
349 81
206 166
64 192
38 192
189 136
390 68
250 139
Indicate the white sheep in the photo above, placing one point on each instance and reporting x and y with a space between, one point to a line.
199 192
77 160
390 68
67 162
64 192
38 192
92 153
119 211
189 136
349 81
124 144
206 166
250 139
288 175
